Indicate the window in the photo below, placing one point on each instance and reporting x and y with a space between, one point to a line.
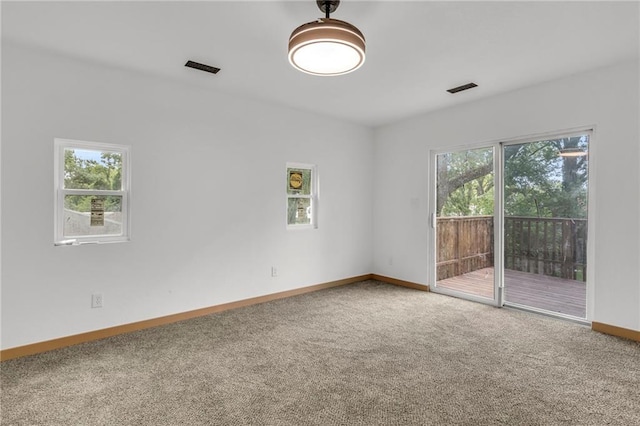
302 196
91 192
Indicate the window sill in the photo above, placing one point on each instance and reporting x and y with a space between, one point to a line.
300 227
75 242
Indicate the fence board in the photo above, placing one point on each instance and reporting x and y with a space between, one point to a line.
546 246
464 244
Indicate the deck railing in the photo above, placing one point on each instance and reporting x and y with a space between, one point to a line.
464 244
547 246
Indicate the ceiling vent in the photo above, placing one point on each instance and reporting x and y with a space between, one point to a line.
202 67
463 87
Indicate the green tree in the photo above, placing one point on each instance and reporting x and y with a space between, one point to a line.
541 183
538 182
457 172
473 198
88 173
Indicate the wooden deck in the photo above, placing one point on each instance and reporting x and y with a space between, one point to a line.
535 290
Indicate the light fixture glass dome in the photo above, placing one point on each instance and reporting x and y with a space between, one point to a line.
327 47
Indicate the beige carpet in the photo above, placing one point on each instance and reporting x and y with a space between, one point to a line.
364 354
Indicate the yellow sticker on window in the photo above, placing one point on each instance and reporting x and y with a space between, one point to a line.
295 180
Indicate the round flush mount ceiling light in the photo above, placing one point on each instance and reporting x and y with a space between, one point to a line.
327 46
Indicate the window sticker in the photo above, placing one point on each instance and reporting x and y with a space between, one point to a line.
295 180
97 212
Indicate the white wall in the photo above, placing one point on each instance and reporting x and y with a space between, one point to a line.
208 206
607 98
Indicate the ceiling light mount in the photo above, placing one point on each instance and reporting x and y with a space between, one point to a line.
327 7
326 46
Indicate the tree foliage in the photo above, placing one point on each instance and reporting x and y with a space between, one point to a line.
82 172
465 183
538 182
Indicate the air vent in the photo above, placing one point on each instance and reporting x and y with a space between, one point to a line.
463 87
202 67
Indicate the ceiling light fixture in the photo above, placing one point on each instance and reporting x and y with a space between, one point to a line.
327 46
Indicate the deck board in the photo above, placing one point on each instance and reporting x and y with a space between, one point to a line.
539 291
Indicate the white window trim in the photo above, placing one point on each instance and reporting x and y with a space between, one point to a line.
60 192
313 197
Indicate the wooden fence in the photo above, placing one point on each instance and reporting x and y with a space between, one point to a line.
547 246
464 244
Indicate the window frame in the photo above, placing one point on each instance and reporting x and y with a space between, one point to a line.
60 192
312 196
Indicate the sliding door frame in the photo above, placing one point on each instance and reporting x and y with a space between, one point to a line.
498 284
498 146
590 292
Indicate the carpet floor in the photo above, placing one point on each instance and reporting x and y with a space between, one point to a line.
362 354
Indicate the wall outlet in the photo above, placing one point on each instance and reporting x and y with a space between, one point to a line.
274 271
96 300
390 261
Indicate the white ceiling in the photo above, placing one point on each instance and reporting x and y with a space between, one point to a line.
415 50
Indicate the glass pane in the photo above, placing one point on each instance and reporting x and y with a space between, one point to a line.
91 169
298 181
91 215
545 224
464 225
299 211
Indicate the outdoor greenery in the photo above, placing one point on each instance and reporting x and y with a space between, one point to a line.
538 181
465 183
86 172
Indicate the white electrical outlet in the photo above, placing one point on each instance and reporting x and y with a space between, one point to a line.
96 300
274 271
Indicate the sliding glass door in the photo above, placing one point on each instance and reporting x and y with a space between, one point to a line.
546 186
515 233
464 224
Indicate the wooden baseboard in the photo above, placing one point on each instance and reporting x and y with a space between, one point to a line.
62 342
625 333
401 283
